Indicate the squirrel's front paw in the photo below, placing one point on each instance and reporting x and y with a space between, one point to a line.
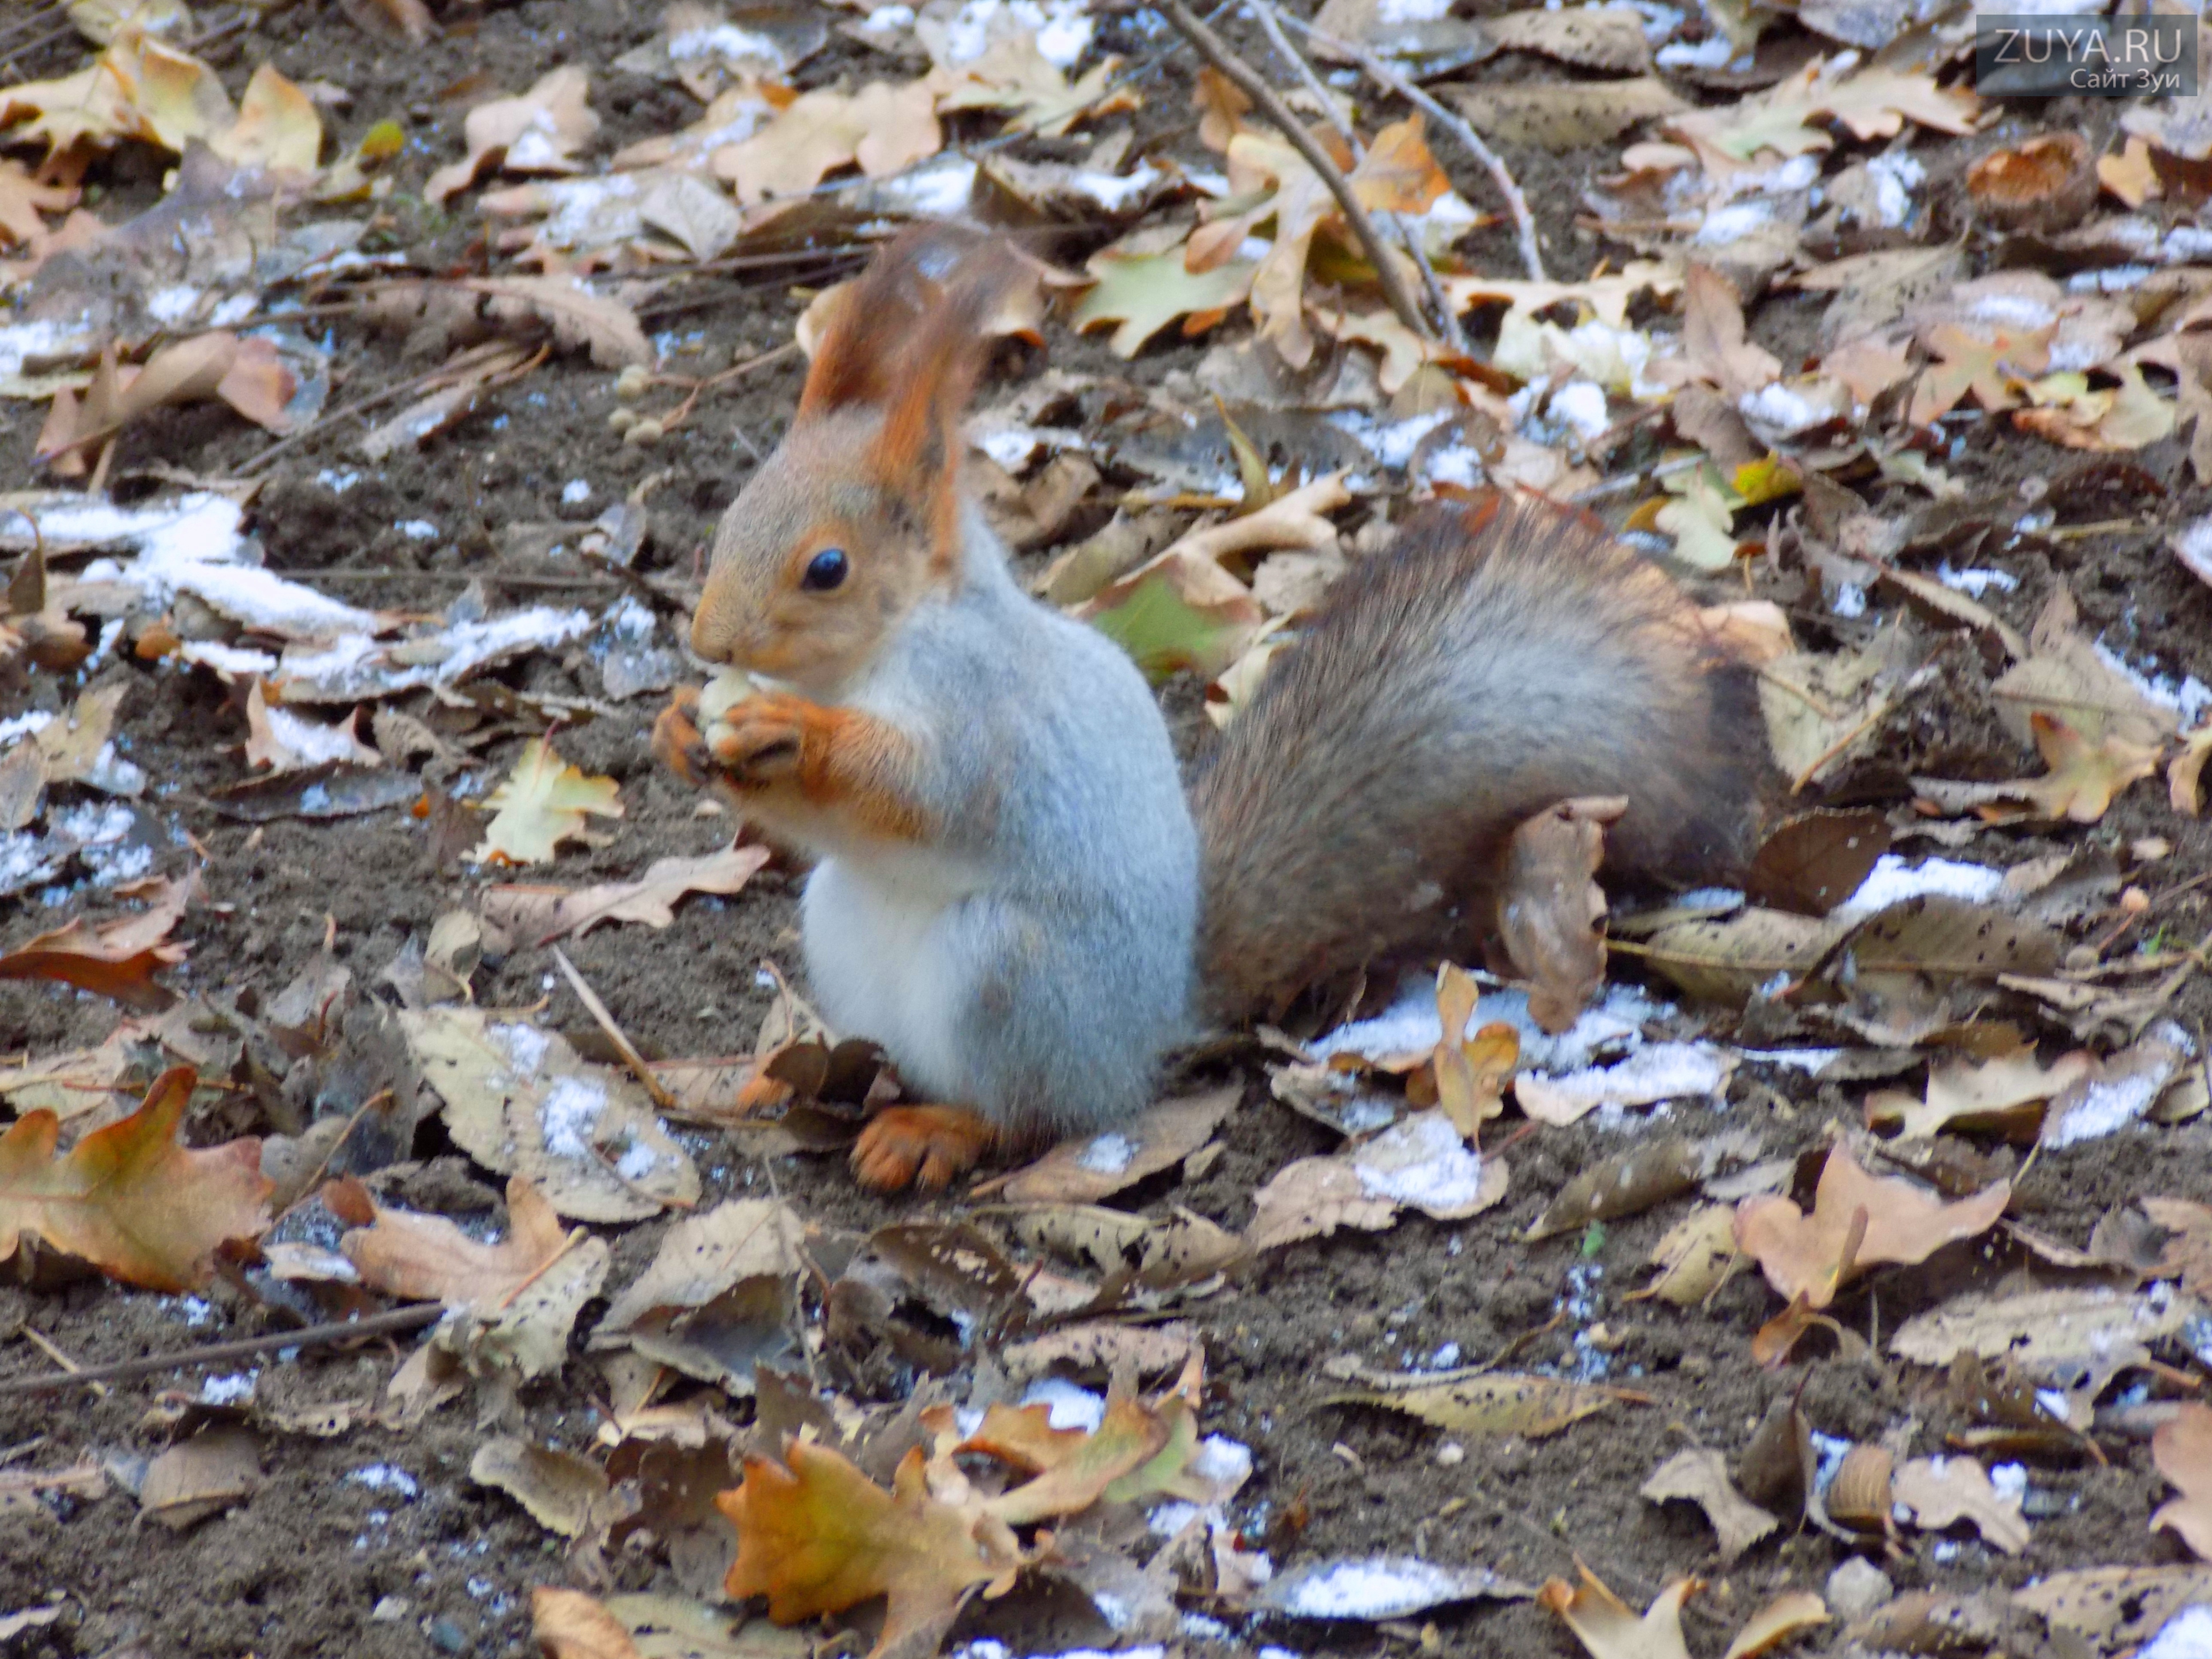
760 740
677 743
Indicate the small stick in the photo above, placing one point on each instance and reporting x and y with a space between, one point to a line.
310 1336
420 382
1270 24
623 1046
1381 73
59 1358
576 1236
1211 47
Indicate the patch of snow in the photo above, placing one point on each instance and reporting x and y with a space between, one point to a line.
2107 1104
940 189
524 1047
724 41
2187 1635
574 1106
638 1161
883 19
1582 405
416 530
384 1477
2189 699
2112 279
23 725
1412 11
1783 410
1892 881
1106 1154
1655 1071
1976 582
1429 1165
1380 1586
1067 1406
1712 52
576 492
1114 192
227 1390
2013 310
1896 175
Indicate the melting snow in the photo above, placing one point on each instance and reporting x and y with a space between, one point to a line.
1892 881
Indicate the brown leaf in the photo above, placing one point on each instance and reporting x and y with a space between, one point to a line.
2182 1448
1700 1475
1085 1171
818 1536
530 915
2046 183
564 1493
1810 864
1777 1622
414 1256
117 959
1492 1402
1609 1629
577 316
882 128
1419 1162
1896 1222
128 1198
535 131
1941 1491
569 1624
203 1475
1549 908
1073 1466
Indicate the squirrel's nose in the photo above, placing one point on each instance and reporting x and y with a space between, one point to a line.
714 630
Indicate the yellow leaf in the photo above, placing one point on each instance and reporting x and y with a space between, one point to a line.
569 1624
128 1198
1144 292
544 802
277 126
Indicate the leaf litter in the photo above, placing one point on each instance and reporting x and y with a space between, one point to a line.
1889 1024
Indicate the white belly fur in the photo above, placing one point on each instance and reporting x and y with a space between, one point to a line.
877 955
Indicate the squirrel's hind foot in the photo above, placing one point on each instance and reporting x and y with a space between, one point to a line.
922 1146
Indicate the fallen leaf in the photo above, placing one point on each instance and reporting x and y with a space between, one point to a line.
1627 1183
1564 114
1551 910
128 1198
1490 1402
2117 1607
564 1493
1810 864
1609 1629
1072 1467
719 1297
1941 1491
2078 1338
1653 1073
285 742
2184 777
1379 1587
2113 1092
201 1477
1777 1622
79 747
524 1293
1858 1221
2044 182
2182 1448
519 1101
818 1536
1418 1162
882 129
1085 1171
1695 1257
569 1624
117 959
535 131
1294 520
536 916
544 802
1177 614
1142 293
247 374
277 128
2003 1094
608 328
1700 1475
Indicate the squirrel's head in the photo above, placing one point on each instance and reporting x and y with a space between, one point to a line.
856 518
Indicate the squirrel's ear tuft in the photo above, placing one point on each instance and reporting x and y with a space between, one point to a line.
908 339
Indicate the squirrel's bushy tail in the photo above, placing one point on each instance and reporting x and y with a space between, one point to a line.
1494 659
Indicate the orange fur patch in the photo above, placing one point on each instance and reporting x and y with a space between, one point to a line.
921 1146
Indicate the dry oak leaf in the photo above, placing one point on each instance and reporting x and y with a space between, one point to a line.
1873 103
1610 1629
882 129
128 1198
1073 1466
544 802
2182 1448
535 131
569 1624
818 1536
538 915
276 129
1290 521
1142 293
117 959
1551 910
1858 1221
245 374
577 316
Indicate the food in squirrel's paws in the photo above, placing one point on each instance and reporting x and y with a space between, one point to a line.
1012 892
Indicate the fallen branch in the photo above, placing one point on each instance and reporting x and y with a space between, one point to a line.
1270 24
1383 76
1210 46
310 1336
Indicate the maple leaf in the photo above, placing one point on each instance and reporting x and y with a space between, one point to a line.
416 1256
1858 1221
1873 103
1143 293
1014 75
22 199
881 128
1073 1466
544 802
117 959
2084 776
1610 1629
818 1536
535 131
1990 365
129 1199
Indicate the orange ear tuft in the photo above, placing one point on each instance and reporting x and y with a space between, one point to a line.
908 339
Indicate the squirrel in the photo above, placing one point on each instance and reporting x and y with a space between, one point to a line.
1012 894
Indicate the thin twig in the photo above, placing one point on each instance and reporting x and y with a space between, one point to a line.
69 1366
623 1046
1382 74
1270 24
1211 47
310 1336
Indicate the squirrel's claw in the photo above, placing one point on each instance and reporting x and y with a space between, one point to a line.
922 1146
759 741
677 743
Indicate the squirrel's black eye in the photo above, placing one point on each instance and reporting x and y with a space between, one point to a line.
825 570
